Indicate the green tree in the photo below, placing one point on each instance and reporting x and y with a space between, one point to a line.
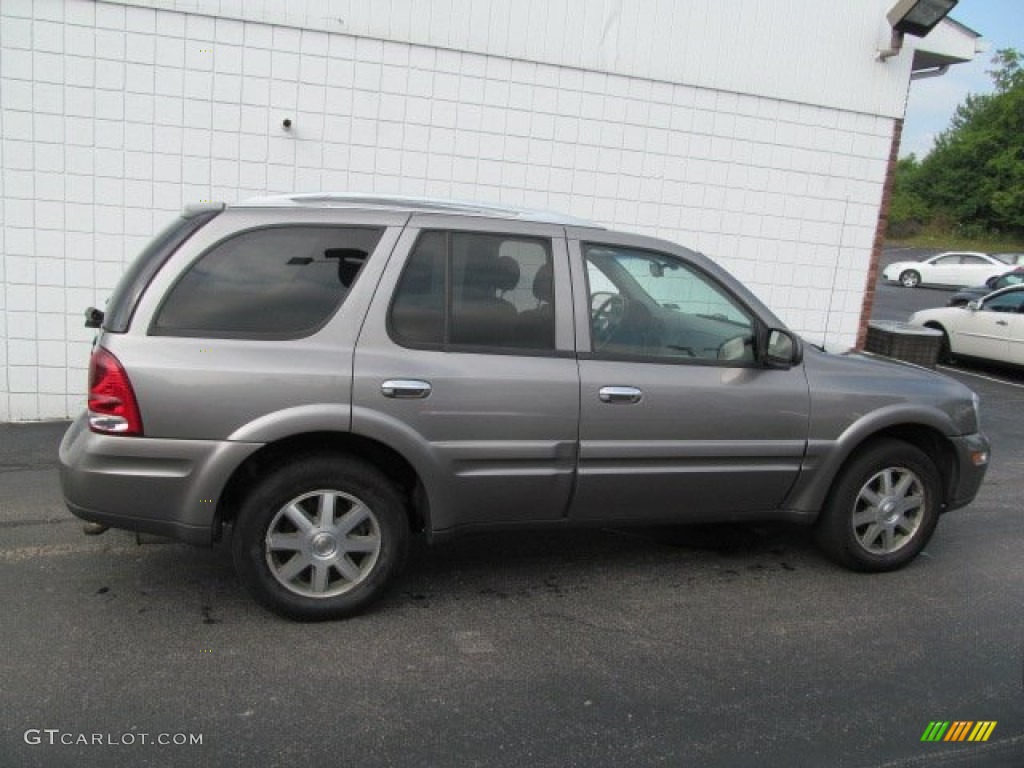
974 176
907 211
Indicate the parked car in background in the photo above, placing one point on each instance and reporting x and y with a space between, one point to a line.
989 329
965 295
953 268
320 377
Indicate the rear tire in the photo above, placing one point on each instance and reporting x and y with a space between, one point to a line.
910 279
883 508
321 537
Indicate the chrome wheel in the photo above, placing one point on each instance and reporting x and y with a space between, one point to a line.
889 510
910 279
323 544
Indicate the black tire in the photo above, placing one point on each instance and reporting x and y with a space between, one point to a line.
910 278
844 530
945 351
341 531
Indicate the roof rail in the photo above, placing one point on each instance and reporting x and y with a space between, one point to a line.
413 205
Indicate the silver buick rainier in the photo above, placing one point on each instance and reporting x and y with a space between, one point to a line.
321 377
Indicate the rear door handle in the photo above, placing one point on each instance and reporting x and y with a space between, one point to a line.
620 395
410 389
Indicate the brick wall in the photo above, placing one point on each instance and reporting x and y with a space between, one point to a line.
879 241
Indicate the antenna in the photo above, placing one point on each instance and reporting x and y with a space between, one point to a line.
835 271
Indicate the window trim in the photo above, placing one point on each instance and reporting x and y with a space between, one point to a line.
759 328
478 349
155 329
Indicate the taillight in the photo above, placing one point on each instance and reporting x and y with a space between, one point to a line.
113 409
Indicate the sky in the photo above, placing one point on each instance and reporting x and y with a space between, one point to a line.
932 101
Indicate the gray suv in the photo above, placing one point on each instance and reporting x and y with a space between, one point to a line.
324 376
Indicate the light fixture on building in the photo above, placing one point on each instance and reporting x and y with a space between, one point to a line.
914 17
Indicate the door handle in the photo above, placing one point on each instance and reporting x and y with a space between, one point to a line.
621 395
410 389
1001 322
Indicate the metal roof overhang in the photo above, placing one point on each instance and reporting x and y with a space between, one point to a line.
949 43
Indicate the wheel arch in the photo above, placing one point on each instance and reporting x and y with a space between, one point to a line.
932 441
928 440
381 456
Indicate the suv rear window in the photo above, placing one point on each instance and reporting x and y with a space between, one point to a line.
276 282
136 279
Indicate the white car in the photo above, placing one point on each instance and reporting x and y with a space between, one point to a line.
954 268
991 328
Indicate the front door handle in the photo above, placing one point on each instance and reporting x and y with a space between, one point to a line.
405 388
620 395
1001 322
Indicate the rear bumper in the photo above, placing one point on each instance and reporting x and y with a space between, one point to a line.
968 480
152 485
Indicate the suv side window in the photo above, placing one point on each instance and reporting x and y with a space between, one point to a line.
655 305
476 290
276 282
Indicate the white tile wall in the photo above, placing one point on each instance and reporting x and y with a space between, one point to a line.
114 117
795 50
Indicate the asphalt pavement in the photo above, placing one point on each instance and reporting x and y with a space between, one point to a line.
709 646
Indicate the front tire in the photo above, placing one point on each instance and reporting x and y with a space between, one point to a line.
883 509
321 537
910 279
945 350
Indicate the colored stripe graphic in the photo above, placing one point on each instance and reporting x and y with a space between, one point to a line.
958 730
982 730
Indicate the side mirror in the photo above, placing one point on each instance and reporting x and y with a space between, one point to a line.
991 282
975 305
93 317
782 351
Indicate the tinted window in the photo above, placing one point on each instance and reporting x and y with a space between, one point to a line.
277 283
476 290
974 260
655 305
136 279
417 314
1007 302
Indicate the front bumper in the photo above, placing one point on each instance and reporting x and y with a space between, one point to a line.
152 485
966 482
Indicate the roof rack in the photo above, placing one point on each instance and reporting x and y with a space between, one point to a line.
413 205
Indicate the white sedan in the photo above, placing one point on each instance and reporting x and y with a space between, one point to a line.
954 268
991 328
